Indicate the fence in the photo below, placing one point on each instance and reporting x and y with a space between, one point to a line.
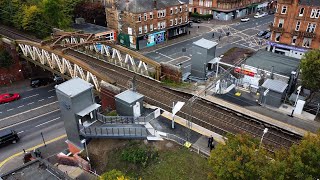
127 132
125 119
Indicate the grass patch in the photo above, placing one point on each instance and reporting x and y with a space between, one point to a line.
111 113
173 84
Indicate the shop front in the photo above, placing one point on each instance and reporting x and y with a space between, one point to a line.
151 39
177 31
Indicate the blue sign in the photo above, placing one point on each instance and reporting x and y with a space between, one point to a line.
98 46
156 38
287 47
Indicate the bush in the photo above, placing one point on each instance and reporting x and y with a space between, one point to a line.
113 175
5 59
201 16
138 154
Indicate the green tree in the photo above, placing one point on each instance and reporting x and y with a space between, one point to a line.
240 158
113 175
310 71
5 58
53 12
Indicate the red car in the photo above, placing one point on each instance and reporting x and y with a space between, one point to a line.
4 98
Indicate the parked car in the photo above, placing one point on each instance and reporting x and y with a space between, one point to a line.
262 33
245 19
196 20
267 36
58 79
40 82
259 15
8 97
8 136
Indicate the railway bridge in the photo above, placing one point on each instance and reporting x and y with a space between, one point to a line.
95 60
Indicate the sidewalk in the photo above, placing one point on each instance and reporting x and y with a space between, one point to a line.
16 87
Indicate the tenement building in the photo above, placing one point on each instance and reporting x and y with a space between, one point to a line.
229 9
145 23
295 29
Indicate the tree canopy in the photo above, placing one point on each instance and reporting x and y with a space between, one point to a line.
310 70
241 158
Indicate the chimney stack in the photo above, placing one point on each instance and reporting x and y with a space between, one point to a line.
155 4
127 5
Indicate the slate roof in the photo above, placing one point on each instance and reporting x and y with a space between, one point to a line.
310 2
275 85
205 43
74 86
282 64
139 6
129 96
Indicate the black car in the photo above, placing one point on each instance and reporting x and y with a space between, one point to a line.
262 33
40 82
8 136
267 36
196 20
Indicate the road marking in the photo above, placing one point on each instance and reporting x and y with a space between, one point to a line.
51 90
20 106
48 121
10 109
50 97
41 100
31 96
29 89
165 55
27 111
29 119
20 132
32 148
30 103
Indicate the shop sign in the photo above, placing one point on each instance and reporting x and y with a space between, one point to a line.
155 38
286 47
244 71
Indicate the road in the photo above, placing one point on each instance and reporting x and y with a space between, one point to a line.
37 111
242 35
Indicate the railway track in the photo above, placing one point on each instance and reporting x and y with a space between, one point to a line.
14 34
207 114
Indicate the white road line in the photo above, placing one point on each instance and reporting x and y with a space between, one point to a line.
50 97
48 122
29 89
31 96
165 55
41 100
20 106
51 90
187 66
30 103
27 111
20 132
29 119
10 109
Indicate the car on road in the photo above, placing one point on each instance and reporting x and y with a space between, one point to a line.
267 36
259 15
262 33
58 79
245 19
8 136
196 20
40 82
8 97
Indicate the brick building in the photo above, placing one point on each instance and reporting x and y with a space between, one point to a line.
145 23
295 28
229 9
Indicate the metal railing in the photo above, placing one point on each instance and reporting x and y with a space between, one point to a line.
125 119
127 132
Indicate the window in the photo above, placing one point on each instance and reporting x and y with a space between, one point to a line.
151 15
318 13
298 25
277 8
171 22
145 28
139 18
145 16
176 10
175 21
284 10
163 25
200 2
151 27
277 39
294 40
180 8
158 25
301 12
311 27
306 42
186 18
171 10
186 7
140 30
161 13
180 20
281 22
313 13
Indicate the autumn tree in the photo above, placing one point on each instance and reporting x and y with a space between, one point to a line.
310 71
91 12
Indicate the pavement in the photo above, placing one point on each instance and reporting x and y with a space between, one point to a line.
16 87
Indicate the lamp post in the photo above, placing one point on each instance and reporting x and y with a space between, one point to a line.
264 132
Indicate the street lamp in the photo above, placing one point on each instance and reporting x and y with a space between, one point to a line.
85 145
264 132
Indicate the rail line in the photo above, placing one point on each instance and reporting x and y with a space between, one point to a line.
14 34
221 121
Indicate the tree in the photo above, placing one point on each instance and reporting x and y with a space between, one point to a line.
91 12
53 12
310 71
5 58
240 158
113 175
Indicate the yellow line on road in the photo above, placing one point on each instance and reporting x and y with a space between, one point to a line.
30 149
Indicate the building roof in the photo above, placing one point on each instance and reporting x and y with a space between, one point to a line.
275 85
129 96
90 28
140 6
74 86
310 2
205 43
282 64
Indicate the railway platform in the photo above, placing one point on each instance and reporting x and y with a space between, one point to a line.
295 125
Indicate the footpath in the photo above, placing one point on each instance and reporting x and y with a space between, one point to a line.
16 87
